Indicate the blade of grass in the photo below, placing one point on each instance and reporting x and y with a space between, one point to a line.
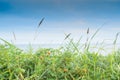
115 41
14 35
88 45
36 31
40 22
7 42
67 36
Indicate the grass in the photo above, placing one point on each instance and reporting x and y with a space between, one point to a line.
73 61
66 63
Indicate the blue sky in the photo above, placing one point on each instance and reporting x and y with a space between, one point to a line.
61 16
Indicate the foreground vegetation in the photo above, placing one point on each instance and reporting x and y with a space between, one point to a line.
65 63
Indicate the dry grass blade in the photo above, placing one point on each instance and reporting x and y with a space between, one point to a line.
67 36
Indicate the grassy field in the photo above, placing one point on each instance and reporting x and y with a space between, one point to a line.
64 63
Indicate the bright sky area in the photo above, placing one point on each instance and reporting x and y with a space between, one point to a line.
61 17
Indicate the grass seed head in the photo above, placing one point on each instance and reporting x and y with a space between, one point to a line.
88 31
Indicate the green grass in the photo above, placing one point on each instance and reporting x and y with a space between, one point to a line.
65 63
73 61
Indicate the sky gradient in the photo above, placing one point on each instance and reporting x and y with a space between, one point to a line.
61 16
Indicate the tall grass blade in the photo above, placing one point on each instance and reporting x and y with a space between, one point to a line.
87 38
88 31
116 37
95 34
67 36
14 35
92 38
36 32
6 42
40 22
115 41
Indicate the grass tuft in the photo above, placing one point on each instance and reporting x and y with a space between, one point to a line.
67 63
